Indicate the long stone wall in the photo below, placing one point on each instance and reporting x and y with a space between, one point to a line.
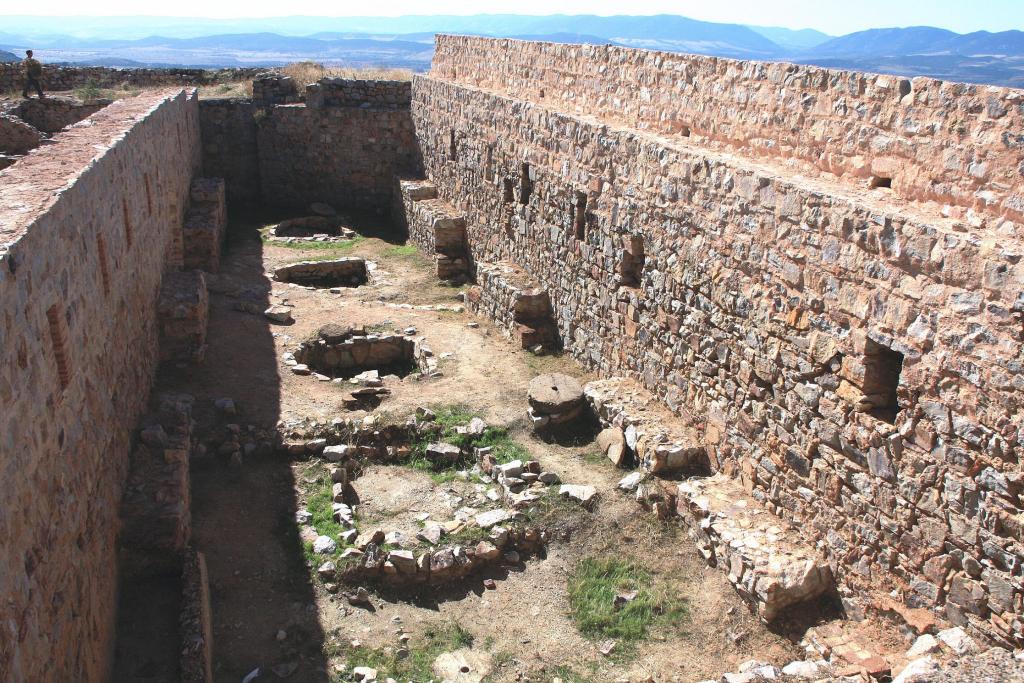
57 77
342 143
951 143
88 226
790 318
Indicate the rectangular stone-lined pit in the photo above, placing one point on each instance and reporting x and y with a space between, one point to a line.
343 351
348 271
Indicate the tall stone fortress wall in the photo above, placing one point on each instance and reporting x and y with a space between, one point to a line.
88 226
956 144
57 77
853 354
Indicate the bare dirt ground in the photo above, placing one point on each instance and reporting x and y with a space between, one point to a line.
271 611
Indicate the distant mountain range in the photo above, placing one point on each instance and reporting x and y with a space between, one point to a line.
408 42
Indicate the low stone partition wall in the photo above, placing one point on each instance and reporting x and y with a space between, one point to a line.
155 511
662 442
506 294
434 226
766 560
183 312
196 621
87 229
205 227
347 271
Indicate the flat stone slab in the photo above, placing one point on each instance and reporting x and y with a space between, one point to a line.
554 393
766 560
662 441
348 271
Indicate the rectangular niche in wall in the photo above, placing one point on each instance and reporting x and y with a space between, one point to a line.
525 183
579 215
631 267
882 368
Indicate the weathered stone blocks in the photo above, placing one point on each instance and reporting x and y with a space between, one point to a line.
767 562
205 226
508 295
183 311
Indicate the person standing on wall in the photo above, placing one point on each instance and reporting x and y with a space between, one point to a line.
33 74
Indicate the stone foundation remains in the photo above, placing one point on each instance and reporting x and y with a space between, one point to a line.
815 275
348 271
205 225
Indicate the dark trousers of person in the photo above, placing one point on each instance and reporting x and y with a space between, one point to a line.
31 83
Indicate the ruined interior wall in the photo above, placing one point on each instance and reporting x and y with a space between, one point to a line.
229 147
949 142
87 227
343 144
758 304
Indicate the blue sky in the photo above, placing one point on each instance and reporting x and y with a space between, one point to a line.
832 16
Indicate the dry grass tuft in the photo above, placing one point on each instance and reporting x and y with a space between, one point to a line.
311 72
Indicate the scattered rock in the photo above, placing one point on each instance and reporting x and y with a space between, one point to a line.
279 314
581 494
486 520
324 545
631 481
360 598
957 640
300 369
364 673
463 666
924 645
918 671
612 443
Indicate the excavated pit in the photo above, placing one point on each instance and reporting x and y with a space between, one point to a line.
348 271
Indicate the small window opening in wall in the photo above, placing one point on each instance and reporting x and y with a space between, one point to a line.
684 131
631 268
525 184
101 251
541 93
452 144
58 339
127 223
880 181
579 215
508 190
882 368
149 195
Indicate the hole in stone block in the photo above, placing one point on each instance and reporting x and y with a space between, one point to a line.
579 217
342 351
684 131
525 184
58 340
882 368
127 223
508 190
101 251
879 181
631 267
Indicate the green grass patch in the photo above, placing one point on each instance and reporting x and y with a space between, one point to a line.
417 666
593 586
402 251
568 675
319 502
449 418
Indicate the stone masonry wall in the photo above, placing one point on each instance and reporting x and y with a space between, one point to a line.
342 143
948 142
769 309
56 77
88 226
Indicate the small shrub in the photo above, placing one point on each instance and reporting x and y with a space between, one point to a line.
88 92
